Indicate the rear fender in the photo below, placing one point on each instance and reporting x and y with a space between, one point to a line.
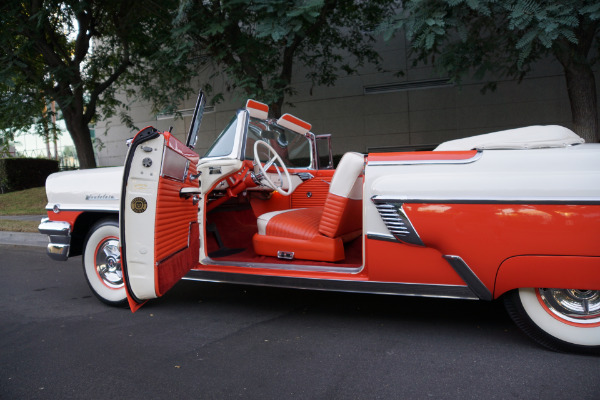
565 272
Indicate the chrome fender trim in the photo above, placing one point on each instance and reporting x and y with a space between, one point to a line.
467 275
396 221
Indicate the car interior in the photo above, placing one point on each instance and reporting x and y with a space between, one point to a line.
285 213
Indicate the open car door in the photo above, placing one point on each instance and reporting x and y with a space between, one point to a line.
158 214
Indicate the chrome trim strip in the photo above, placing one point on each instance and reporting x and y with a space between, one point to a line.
379 236
108 210
467 275
351 286
397 222
476 157
534 201
286 267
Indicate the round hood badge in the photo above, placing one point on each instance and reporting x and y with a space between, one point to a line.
139 205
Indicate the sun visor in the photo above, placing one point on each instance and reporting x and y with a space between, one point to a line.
257 109
294 124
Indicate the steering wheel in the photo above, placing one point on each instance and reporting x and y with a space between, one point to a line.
263 177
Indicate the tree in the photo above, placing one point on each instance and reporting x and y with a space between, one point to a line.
80 54
505 37
257 44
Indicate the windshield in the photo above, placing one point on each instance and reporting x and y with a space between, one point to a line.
293 148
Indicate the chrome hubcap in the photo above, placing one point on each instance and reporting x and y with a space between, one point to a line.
579 306
108 263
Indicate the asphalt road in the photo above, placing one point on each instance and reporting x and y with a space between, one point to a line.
217 341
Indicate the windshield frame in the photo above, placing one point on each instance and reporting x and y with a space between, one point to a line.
240 139
271 123
242 118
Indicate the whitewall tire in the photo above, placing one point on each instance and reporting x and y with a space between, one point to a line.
102 263
560 319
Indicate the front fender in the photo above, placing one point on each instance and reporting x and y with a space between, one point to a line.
565 272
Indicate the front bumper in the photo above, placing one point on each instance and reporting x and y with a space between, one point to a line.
59 237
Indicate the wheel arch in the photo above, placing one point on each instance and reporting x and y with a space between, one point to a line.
534 271
82 226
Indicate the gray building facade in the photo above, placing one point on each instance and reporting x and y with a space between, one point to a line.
377 109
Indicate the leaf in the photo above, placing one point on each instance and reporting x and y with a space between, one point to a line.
526 39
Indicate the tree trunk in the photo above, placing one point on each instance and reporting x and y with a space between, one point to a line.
581 86
275 108
80 133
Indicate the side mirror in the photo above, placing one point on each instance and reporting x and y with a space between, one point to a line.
192 136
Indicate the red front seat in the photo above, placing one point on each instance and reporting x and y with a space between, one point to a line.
317 233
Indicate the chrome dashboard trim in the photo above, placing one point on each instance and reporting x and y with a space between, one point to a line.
335 285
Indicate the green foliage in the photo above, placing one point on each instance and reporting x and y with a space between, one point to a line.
82 54
495 37
503 38
24 173
256 44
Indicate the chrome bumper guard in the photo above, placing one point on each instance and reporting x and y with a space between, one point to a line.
59 237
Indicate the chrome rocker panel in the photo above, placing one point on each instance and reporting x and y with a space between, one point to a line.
351 286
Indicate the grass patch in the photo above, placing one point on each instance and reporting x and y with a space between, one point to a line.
24 202
13 225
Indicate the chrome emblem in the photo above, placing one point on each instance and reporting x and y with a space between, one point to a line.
139 205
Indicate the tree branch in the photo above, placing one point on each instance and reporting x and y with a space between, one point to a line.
95 94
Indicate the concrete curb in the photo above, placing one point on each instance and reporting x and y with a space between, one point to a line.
23 239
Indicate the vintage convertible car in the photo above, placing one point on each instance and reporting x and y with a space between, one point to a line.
512 214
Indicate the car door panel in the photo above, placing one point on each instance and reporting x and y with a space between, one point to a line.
159 228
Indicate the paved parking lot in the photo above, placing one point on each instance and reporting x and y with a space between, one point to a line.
218 341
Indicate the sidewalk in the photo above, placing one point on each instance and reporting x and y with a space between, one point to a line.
23 238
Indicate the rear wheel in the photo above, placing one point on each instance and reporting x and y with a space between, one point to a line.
560 319
102 263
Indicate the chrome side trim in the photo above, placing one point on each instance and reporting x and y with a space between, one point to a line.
285 267
392 288
101 210
396 220
523 200
476 157
59 237
379 236
467 275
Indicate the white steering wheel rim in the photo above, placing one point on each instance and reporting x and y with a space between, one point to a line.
265 176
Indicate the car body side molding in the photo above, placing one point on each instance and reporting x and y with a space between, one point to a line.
474 283
351 286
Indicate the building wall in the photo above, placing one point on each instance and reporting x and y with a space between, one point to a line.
358 121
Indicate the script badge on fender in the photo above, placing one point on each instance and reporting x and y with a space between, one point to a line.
139 205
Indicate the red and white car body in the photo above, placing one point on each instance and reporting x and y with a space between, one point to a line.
512 214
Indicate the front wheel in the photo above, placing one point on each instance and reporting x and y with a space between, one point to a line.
559 319
102 263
